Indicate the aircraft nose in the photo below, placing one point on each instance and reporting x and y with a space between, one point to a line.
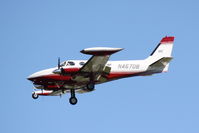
32 76
40 74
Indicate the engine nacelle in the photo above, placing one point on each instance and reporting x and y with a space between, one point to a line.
42 92
38 86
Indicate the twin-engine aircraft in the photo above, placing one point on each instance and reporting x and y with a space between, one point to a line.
81 76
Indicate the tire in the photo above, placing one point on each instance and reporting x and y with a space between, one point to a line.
73 100
35 96
90 86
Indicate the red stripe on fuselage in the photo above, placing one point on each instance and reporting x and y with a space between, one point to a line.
118 75
58 77
71 70
67 79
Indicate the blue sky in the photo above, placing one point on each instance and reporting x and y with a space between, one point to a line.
34 33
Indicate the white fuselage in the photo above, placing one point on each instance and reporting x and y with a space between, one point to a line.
81 75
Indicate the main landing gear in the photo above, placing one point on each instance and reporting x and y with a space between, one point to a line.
90 86
73 99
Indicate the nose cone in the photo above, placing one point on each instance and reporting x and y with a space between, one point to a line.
40 74
33 76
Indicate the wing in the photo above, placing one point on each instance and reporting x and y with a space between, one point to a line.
95 64
95 67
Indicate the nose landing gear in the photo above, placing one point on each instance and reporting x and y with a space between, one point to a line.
35 96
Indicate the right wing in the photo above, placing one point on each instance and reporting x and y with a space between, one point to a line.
95 67
95 64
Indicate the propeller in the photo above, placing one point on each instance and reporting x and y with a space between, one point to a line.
59 63
59 69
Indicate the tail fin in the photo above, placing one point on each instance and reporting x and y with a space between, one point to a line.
164 48
162 54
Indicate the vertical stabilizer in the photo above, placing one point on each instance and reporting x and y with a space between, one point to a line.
163 50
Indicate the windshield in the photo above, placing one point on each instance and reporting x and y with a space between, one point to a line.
67 63
63 64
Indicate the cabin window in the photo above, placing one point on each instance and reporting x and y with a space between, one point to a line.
81 63
70 63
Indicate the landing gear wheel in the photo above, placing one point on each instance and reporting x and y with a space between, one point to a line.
34 96
73 100
90 86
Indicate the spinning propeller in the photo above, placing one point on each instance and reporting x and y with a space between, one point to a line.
59 63
59 69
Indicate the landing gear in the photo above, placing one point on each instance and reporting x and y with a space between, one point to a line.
35 96
63 91
90 86
73 99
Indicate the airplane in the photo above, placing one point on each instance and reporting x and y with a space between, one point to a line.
81 76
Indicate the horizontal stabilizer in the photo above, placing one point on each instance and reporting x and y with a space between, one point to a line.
159 65
162 62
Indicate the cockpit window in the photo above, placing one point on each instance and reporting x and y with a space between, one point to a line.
63 64
70 63
81 63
